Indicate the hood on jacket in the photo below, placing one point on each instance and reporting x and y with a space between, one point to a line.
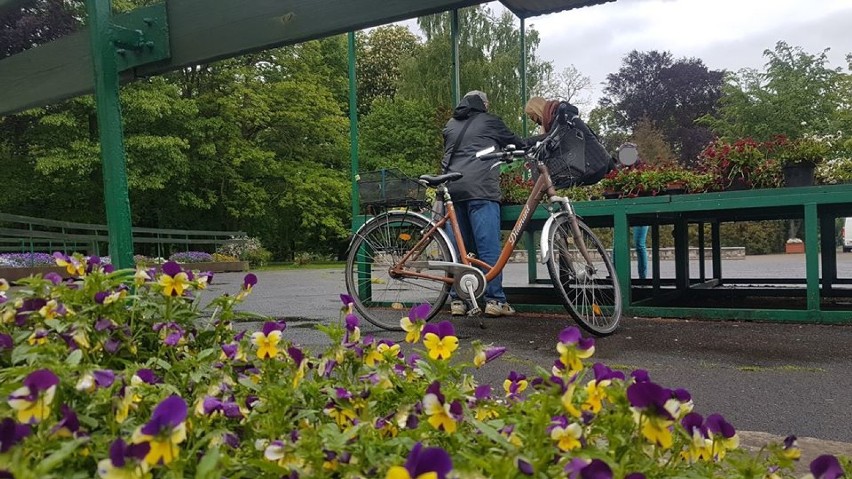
468 106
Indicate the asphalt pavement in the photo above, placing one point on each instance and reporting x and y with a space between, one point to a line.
768 379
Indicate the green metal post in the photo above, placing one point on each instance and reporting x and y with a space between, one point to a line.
524 75
621 252
353 132
456 86
812 256
110 134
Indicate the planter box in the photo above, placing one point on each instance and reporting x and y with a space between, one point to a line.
14 274
794 248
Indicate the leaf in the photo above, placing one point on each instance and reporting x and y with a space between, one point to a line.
207 467
59 456
74 358
492 434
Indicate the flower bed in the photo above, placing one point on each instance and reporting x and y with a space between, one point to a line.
16 266
101 380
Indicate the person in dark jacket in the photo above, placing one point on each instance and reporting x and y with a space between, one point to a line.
477 195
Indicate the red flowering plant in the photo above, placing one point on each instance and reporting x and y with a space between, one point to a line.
515 188
746 162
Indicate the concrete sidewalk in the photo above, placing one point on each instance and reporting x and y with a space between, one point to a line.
767 379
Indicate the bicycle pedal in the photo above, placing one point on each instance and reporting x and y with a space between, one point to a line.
474 311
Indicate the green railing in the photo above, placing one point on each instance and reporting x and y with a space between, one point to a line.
28 234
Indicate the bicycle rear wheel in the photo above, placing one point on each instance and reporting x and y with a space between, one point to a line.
382 299
589 292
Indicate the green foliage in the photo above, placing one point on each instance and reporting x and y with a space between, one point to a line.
796 93
378 58
401 134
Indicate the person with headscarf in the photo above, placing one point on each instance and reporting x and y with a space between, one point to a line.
477 195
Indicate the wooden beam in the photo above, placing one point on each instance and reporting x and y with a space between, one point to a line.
201 31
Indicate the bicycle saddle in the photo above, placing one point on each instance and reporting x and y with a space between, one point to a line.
435 180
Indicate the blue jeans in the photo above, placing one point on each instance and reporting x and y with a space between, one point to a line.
639 235
479 222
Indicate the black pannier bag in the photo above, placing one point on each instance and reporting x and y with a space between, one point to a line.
576 157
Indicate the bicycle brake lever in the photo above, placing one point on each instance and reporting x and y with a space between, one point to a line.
495 165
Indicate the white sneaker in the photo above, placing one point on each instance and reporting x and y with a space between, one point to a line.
495 309
458 308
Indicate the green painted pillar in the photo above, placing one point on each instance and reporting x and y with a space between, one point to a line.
456 86
524 76
812 256
353 133
111 134
621 253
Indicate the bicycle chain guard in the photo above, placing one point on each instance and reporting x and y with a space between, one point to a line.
465 278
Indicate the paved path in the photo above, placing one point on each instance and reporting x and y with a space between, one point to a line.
774 378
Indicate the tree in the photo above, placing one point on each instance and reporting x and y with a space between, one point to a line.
379 55
671 94
489 51
797 93
569 85
36 23
402 134
602 120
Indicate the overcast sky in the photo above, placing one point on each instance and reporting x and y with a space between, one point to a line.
725 34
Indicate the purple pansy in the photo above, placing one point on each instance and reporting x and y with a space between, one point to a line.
69 424
119 452
826 467
53 278
719 426
169 414
431 459
12 433
6 341
442 329
524 466
650 397
171 268
249 281
147 376
104 378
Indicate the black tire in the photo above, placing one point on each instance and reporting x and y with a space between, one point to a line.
381 299
592 297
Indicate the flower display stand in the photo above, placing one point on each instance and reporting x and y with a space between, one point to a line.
14 274
799 175
794 248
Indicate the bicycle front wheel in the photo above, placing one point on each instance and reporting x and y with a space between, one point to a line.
589 292
383 299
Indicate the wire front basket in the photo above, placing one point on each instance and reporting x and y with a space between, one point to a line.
389 188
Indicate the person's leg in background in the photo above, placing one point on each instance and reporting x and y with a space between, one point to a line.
485 224
640 233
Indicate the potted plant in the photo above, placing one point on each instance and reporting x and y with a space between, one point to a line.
799 158
733 163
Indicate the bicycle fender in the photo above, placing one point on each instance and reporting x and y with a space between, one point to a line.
545 236
441 232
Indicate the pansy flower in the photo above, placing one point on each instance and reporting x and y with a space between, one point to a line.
125 461
353 332
69 425
54 309
171 333
579 468
440 340
483 408
573 348
566 435
724 435
515 384
248 283
32 401
654 410
174 280
12 433
443 416
700 446
596 388
91 381
791 448
384 349
6 341
301 361
484 355
825 467
348 304
267 339
423 463
204 279
524 466
71 264
38 337
165 430
414 322
233 351
4 286
280 452
141 276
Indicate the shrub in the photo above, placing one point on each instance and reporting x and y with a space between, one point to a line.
131 385
246 248
25 260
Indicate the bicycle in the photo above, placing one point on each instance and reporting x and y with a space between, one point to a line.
401 258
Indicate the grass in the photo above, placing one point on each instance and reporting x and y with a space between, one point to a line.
294 266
